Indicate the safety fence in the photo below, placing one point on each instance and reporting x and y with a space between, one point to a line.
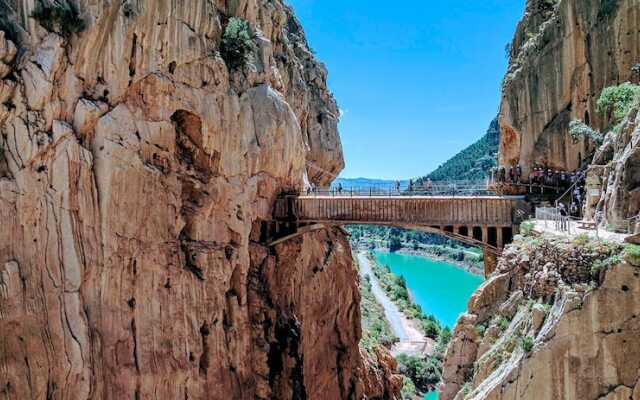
449 188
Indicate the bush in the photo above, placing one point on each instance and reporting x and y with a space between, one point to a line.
236 44
582 239
527 227
527 343
56 18
408 387
579 130
431 329
423 372
618 100
633 250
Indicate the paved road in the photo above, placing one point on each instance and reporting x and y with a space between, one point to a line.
390 309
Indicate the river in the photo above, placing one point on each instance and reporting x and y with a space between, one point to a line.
440 288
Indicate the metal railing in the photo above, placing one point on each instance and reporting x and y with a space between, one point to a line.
451 188
562 223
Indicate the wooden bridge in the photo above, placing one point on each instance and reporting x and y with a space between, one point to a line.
488 222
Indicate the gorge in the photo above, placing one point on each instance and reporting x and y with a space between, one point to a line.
145 145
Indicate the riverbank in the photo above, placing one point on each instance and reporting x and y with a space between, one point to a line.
411 340
473 269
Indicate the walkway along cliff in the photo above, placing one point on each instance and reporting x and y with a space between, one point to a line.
143 143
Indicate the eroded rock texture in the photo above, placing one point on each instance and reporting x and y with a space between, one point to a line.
135 169
613 180
561 59
550 326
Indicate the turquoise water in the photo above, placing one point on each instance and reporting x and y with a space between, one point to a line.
440 288
431 396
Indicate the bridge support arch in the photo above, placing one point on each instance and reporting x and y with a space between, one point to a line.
488 222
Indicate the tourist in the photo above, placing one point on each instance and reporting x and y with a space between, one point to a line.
518 173
563 216
398 186
429 185
512 174
574 210
502 174
339 188
410 185
313 188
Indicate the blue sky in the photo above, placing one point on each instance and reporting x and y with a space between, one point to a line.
416 81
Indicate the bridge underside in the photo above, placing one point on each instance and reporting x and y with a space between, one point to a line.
488 222
491 239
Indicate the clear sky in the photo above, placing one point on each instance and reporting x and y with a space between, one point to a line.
416 81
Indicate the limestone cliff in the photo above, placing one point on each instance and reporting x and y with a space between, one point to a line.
613 179
136 166
559 320
562 56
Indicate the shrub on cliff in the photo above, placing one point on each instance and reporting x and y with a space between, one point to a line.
236 44
579 130
618 100
423 372
56 18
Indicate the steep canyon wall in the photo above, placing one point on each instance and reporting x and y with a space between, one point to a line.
135 169
562 56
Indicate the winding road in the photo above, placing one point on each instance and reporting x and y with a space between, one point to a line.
391 311
411 340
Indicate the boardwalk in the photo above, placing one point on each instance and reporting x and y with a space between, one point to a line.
488 222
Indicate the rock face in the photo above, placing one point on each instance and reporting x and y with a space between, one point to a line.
613 180
561 58
574 334
135 171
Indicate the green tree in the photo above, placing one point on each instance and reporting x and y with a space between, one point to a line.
236 46
618 100
394 244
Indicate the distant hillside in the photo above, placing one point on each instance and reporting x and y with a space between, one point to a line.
472 163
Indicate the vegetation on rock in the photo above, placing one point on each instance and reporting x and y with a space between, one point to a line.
236 47
424 372
617 101
579 130
57 18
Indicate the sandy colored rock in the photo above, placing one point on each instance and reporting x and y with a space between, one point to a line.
561 59
136 169
585 342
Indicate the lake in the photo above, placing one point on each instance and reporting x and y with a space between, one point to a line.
440 288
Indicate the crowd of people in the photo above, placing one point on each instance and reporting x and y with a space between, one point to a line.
539 176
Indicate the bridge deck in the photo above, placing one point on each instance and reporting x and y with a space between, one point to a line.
423 210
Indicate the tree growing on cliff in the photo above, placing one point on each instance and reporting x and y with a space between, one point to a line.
616 101
236 46
579 130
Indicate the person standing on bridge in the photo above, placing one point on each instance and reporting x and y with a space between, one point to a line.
429 185
339 188
410 186
398 186
518 173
